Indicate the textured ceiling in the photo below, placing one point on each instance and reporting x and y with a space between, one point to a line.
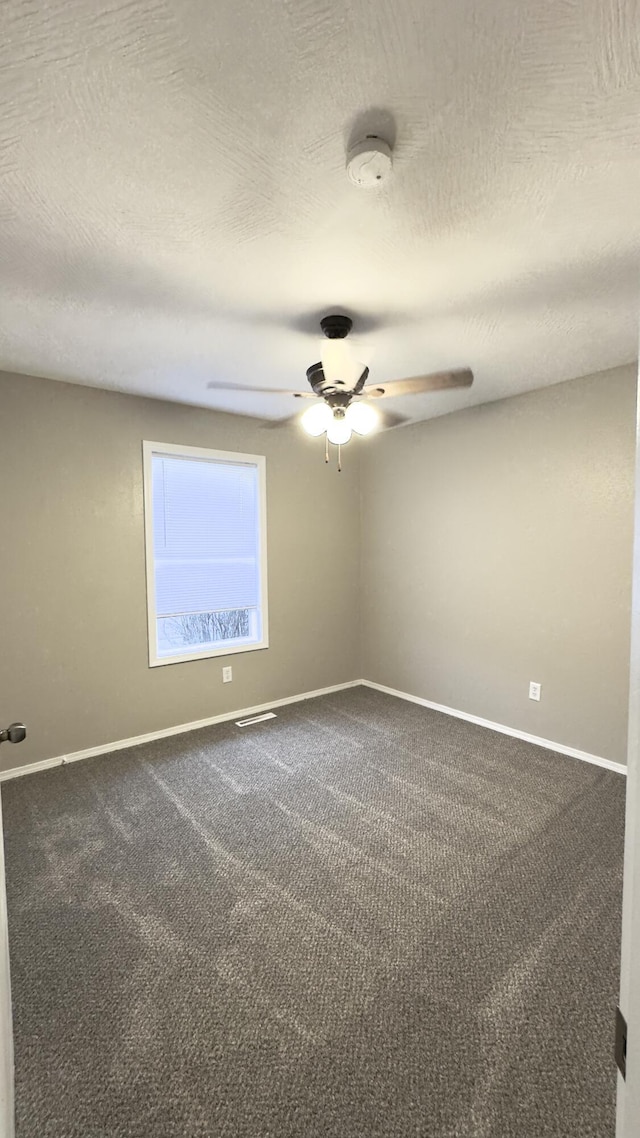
174 206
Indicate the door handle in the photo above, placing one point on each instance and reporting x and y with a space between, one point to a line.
14 733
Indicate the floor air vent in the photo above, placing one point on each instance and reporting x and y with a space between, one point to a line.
256 719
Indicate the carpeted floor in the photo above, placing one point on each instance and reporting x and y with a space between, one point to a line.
361 918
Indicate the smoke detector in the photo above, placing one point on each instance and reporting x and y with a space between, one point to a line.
369 162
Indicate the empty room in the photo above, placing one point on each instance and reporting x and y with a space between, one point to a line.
320 650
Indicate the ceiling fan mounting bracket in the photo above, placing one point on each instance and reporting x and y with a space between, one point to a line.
336 327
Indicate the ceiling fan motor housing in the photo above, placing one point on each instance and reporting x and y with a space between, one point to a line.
332 395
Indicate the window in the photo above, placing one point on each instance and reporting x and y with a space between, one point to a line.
205 514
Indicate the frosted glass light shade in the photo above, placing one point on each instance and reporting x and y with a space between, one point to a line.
362 418
338 431
317 418
334 358
339 367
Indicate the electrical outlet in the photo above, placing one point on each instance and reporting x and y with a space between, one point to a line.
534 691
227 676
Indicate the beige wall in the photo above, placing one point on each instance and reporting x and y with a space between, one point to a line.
73 658
496 549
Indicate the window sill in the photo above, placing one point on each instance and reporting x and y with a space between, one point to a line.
208 653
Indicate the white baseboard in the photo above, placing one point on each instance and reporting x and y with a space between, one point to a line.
619 768
245 712
120 744
6 1032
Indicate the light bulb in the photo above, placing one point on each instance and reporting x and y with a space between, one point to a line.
317 418
362 418
338 431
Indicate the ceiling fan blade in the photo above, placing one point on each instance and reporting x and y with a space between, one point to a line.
261 390
438 381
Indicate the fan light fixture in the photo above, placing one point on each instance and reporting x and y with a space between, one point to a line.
316 419
358 417
338 431
361 418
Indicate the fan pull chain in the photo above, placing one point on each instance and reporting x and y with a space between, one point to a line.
326 448
339 458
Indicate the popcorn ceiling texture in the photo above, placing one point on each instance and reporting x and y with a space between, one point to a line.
174 206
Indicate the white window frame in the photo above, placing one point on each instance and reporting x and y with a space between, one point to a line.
149 449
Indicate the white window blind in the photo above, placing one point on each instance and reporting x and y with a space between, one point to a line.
206 547
205 536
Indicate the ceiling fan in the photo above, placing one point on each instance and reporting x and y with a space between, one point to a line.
339 385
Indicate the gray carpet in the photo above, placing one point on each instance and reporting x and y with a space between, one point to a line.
361 918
